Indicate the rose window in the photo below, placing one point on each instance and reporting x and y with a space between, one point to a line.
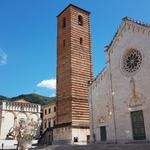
132 61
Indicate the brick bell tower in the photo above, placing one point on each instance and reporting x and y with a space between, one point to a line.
74 70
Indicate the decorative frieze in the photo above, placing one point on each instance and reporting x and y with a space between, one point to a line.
17 106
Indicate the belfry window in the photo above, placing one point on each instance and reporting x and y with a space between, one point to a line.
80 20
64 22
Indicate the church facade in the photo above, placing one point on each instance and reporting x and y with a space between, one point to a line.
119 97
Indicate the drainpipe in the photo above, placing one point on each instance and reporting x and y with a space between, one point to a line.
112 98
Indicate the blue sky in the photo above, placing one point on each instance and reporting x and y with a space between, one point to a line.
28 39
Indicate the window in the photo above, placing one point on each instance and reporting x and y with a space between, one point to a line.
49 110
80 20
54 122
45 112
81 41
41 114
64 43
64 22
45 125
131 61
49 124
55 109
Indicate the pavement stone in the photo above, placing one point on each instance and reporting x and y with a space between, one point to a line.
99 147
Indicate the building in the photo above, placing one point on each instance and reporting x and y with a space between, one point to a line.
12 111
49 114
74 70
119 97
19 109
48 122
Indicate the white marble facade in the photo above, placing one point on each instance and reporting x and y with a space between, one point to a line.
19 109
119 97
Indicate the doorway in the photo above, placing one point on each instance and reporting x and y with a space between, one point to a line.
138 127
103 133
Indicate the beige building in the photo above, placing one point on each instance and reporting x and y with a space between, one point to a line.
48 122
49 115
119 97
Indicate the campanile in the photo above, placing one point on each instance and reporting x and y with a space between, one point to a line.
74 70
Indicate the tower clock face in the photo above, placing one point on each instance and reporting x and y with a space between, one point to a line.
131 62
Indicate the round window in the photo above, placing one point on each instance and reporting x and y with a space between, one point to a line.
132 61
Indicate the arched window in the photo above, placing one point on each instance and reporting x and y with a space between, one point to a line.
80 20
64 22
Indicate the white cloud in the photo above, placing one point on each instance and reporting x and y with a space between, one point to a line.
49 84
3 57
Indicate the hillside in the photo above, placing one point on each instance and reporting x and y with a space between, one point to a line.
3 97
33 98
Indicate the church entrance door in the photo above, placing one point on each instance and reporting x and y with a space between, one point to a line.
138 127
103 133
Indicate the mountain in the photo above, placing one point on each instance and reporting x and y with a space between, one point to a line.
4 97
32 98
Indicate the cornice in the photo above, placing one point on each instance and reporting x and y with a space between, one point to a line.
128 24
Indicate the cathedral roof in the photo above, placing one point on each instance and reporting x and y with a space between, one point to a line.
126 19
